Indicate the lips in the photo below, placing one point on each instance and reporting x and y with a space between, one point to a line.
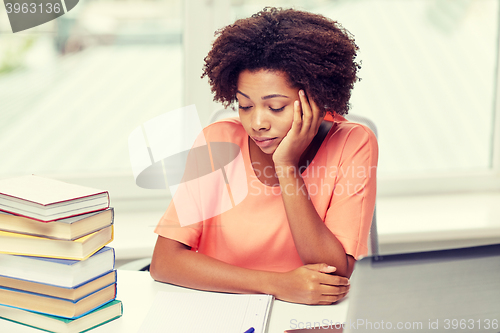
263 142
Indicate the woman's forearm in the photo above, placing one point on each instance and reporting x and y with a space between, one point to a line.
315 243
174 263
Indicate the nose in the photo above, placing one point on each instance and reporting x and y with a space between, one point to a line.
260 120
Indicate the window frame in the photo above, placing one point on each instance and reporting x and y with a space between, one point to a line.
425 183
201 19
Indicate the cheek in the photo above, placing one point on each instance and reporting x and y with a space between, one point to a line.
245 121
287 121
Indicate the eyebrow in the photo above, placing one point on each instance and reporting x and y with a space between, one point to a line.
264 97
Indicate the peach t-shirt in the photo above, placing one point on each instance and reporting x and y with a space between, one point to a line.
341 181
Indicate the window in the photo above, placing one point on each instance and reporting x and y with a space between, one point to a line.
72 90
429 74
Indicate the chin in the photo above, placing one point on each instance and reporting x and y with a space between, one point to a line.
268 152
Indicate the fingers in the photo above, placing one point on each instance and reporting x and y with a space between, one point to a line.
321 267
311 114
297 117
331 294
327 300
333 280
327 269
333 290
313 284
307 116
331 287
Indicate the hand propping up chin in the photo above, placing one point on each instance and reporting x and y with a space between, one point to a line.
307 118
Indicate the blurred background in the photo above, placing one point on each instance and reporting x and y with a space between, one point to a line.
72 90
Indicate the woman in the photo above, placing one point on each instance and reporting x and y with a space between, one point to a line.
307 215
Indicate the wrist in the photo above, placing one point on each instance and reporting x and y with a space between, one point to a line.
284 171
285 162
270 283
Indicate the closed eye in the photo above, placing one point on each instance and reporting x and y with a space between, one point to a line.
277 110
244 107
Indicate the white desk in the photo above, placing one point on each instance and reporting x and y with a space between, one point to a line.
137 290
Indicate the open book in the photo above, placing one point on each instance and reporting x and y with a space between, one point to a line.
207 312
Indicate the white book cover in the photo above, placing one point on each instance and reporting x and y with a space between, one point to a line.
49 199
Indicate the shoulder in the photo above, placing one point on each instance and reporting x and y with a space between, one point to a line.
350 137
228 129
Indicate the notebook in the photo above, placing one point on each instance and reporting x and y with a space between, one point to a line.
207 312
437 291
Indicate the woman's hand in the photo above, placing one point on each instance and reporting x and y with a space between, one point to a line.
307 118
311 284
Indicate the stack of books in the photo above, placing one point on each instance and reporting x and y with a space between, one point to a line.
56 272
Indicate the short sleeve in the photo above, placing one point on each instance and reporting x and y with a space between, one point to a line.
352 203
169 227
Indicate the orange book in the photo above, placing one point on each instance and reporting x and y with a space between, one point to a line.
78 249
69 228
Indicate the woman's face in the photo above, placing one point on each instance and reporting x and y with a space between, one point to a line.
265 101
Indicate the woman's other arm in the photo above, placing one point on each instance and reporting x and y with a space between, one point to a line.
314 241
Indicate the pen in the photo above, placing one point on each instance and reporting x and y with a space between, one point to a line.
250 330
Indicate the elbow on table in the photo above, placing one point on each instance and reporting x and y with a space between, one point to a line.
343 269
153 270
349 266
164 249
161 270
167 260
